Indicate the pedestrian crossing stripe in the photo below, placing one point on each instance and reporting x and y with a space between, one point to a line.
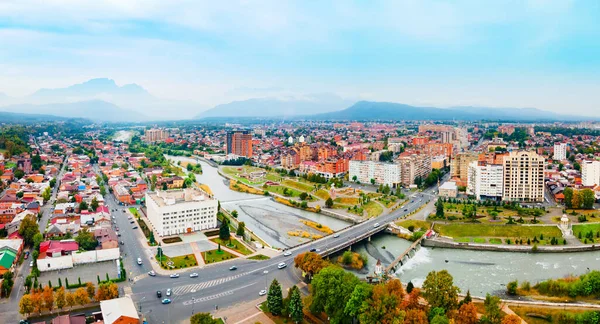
186 289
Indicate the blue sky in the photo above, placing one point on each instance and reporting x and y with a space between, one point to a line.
535 53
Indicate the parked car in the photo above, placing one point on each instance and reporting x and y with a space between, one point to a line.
175 275
122 243
193 275
158 293
26 254
166 301
139 261
262 292
287 253
31 263
135 227
152 273
168 292
281 265
232 268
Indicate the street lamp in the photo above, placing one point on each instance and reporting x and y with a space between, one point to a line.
193 302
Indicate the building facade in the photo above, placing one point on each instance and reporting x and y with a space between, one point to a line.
175 212
459 167
413 166
239 143
155 135
560 151
485 180
590 173
524 177
383 173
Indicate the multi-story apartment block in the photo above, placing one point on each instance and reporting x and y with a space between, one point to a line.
436 149
155 135
590 173
239 143
175 212
485 180
524 177
383 173
413 166
459 167
560 151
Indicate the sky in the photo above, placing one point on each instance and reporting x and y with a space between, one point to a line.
535 53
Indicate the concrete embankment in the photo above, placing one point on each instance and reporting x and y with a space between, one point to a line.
507 248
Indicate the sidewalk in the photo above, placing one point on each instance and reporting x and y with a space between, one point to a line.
244 313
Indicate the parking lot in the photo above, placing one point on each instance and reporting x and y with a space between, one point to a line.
87 273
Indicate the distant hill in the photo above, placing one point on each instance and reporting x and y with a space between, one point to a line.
9 117
370 110
278 107
94 110
90 88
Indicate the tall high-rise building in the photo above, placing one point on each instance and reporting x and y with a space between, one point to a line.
239 143
383 173
524 177
485 180
413 166
460 167
560 151
590 173
155 135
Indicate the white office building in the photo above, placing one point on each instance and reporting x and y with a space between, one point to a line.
175 212
560 151
383 173
590 173
485 180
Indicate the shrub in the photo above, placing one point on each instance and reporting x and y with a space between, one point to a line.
511 287
525 286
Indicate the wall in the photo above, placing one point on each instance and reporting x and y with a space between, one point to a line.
508 248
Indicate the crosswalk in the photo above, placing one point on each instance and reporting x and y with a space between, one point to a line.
212 297
187 289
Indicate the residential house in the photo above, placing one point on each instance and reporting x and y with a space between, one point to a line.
119 310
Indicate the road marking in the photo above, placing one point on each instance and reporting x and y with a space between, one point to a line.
213 297
186 289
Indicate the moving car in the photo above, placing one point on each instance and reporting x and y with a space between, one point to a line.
26 254
166 301
281 265
313 250
122 243
139 261
152 273
232 268
175 275
262 292
131 222
287 253
31 263
168 292
193 275
158 294
336 235
376 225
135 227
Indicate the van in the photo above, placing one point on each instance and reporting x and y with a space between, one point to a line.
139 261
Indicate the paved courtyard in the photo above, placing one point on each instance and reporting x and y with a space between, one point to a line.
186 248
87 273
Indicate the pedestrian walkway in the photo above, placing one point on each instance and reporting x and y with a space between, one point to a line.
197 254
506 309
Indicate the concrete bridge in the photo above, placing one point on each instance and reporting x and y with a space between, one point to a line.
347 244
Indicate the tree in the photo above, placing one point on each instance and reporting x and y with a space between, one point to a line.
25 305
361 293
70 299
577 200
409 287
310 262
47 194
415 316
384 304
241 230
329 202
493 314
60 297
94 204
467 314
48 297
568 193
102 190
38 238
107 290
588 198
372 181
303 196
275 298
28 228
203 318
354 178
86 240
19 173
83 206
7 283
295 306
439 290
37 302
90 290
164 186
234 213
81 296
439 208
511 319
224 233
439 319
332 288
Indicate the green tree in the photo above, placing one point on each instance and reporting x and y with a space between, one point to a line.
329 202
588 198
577 200
224 233
275 298
102 190
47 194
439 319
203 318
362 293
439 208
37 239
86 240
332 288
94 204
439 290
7 283
19 174
511 287
164 186
83 206
493 314
295 306
241 230
568 193
28 229
234 213
372 181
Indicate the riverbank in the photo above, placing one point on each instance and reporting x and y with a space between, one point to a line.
445 243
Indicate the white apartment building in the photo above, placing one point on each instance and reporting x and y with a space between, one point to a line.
485 180
175 212
590 173
524 177
560 151
383 173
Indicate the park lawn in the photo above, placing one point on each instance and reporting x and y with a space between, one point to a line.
495 241
586 212
182 261
213 256
206 188
259 257
275 177
237 246
484 230
341 206
462 240
478 240
388 201
279 189
552 313
277 319
298 185
373 209
323 194
346 200
416 223
134 211
586 228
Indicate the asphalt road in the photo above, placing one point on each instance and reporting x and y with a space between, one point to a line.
217 286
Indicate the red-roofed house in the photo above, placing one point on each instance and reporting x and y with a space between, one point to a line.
57 248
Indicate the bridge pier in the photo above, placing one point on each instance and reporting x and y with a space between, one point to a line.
369 239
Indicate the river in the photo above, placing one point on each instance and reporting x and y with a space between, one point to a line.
123 136
480 272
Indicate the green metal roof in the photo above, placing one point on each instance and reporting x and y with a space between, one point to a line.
7 258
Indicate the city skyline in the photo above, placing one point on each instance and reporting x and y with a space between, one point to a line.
526 54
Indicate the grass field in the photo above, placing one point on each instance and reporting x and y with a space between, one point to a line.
298 185
273 177
182 261
484 230
416 223
323 194
553 313
279 190
206 188
373 209
259 257
235 245
346 200
213 256
134 211
585 229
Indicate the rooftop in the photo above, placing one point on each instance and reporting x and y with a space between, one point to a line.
178 196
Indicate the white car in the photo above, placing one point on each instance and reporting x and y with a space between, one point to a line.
168 292
175 275
281 265
31 263
376 225
193 275
139 261
152 273
287 253
336 235
262 292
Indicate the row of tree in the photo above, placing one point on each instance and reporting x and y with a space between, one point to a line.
579 198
